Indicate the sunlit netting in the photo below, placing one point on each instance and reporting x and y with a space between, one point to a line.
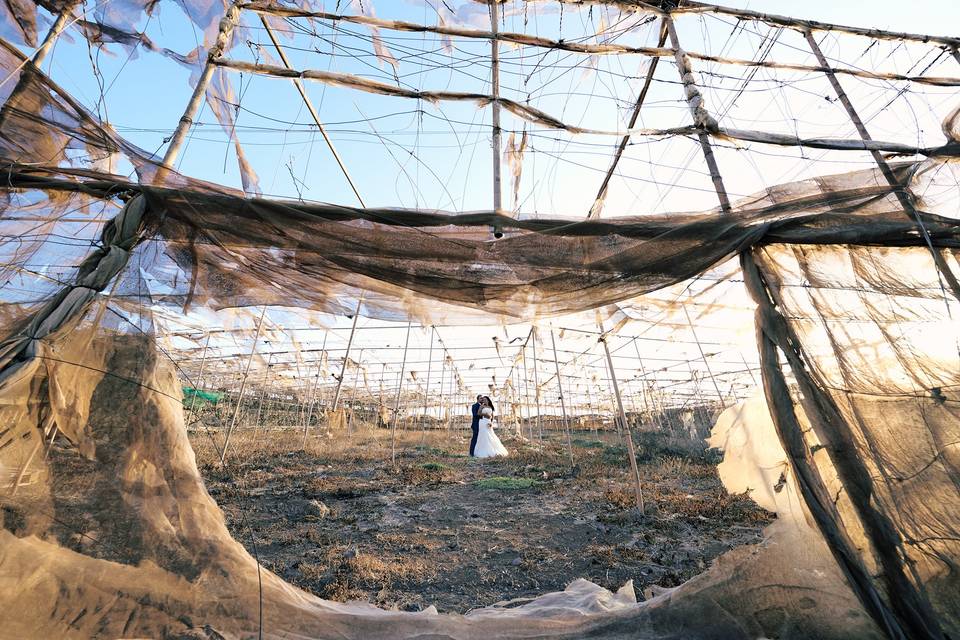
684 204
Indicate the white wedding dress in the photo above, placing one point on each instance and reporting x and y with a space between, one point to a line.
488 444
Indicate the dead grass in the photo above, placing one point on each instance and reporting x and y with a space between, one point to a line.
348 574
440 528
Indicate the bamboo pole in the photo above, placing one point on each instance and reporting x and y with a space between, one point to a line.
353 393
396 406
426 387
443 376
638 491
536 382
811 484
905 200
543 119
313 112
343 368
703 357
55 30
263 392
495 112
270 7
203 361
563 405
316 384
452 392
602 193
526 386
701 118
227 24
243 386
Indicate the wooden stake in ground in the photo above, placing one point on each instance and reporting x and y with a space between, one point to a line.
426 387
316 384
396 406
563 406
343 368
243 386
536 382
626 426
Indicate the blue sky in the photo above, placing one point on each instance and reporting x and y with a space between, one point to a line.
405 153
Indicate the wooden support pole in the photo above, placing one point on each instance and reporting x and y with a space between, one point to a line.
243 386
353 393
526 385
703 357
316 384
313 112
701 118
519 399
536 382
452 392
899 189
811 484
597 206
55 30
426 387
263 391
909 604
495 111
227 24
443 379
396 405
563 405
638 491
343 368
199 380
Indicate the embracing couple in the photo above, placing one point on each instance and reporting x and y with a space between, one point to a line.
484 443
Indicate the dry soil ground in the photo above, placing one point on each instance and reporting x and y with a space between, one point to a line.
340 520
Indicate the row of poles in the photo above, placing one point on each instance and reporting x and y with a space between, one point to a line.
913 619
509 391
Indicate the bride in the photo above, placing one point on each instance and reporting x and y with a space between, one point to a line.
488 444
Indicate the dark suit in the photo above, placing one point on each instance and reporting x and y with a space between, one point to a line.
474 426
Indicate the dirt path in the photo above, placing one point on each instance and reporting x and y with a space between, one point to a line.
447 530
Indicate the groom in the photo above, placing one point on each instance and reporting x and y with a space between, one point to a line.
475 424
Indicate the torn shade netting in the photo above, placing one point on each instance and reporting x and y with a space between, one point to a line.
856 326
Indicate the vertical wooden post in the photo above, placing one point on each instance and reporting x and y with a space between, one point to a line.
343 369
353 393
703 356
316 384
199 380
626 426
396 406
649 402
263 391
451 393
526 384
426 387
443 378
243 386
536 381
227 24
563 405
495 110
519 398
